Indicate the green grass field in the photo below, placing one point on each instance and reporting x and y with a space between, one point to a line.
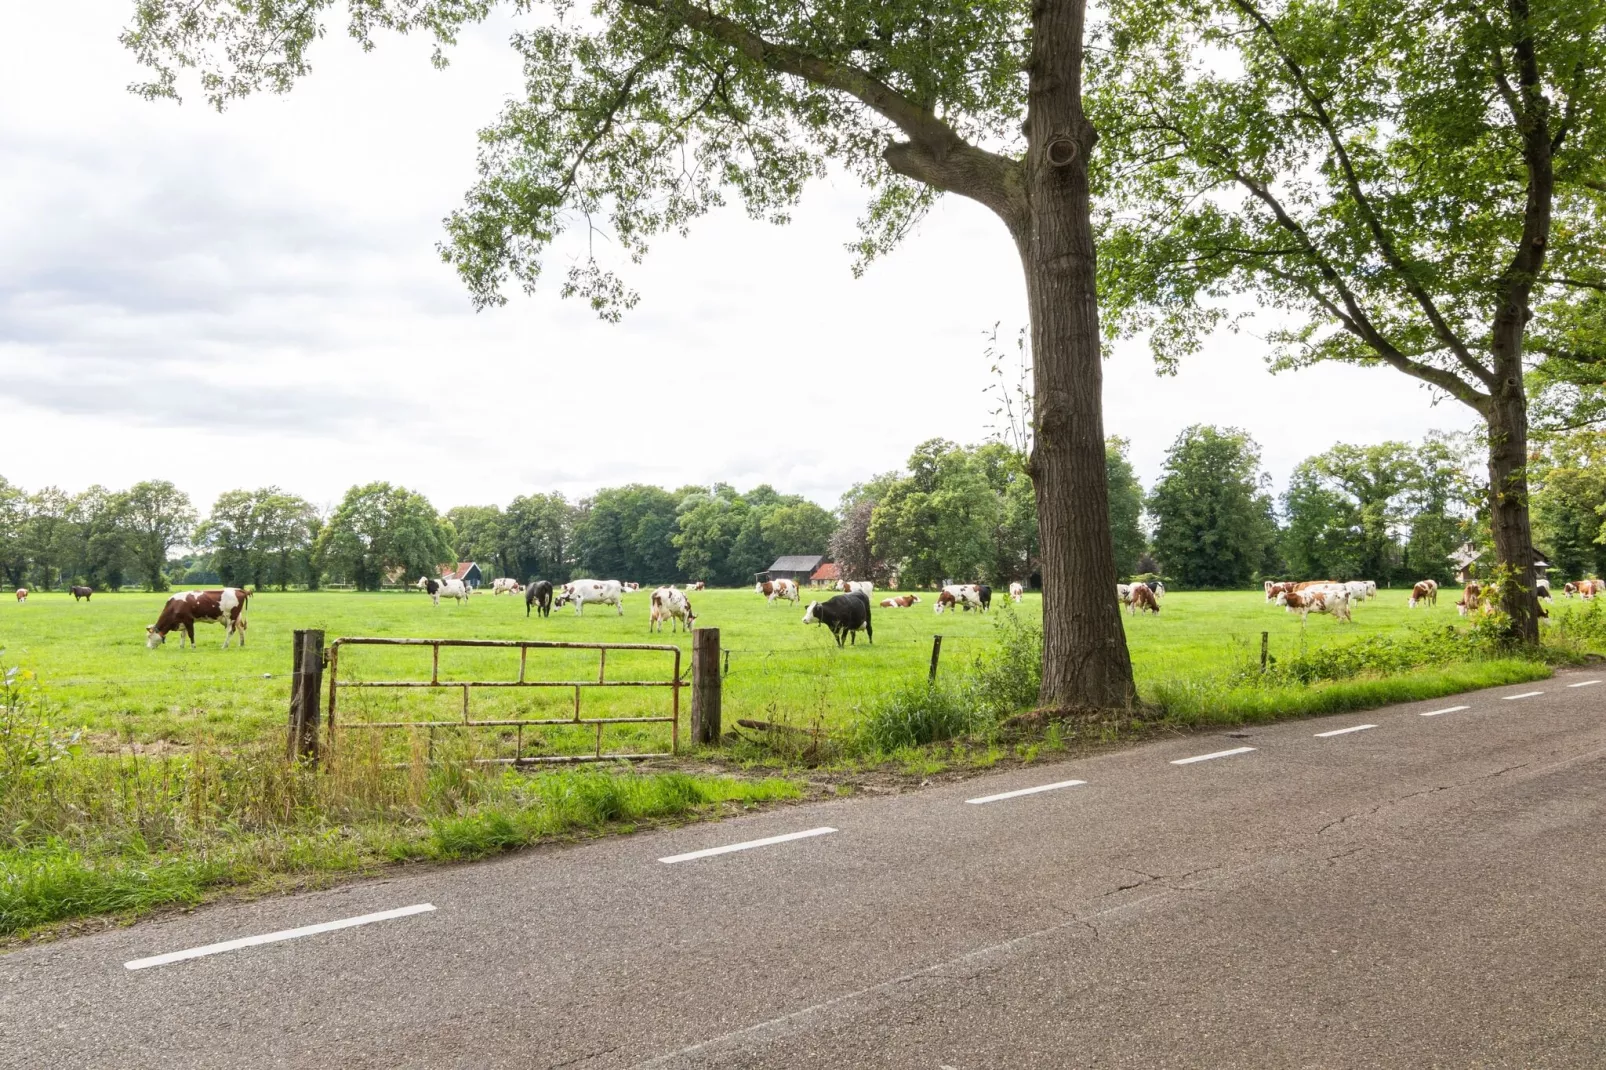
92 660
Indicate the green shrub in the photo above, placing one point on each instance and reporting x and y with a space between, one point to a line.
915 714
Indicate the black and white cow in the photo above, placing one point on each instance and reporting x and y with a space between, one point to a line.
844 614
538 595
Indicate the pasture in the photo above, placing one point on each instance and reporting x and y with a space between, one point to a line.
92 659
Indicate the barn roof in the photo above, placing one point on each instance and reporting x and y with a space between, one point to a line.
797 563
450 573
827 571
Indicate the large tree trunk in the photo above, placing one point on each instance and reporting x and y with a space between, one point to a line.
1508 497
1085 659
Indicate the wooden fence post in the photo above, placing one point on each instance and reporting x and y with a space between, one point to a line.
706 685
1265 638
936 652
306 692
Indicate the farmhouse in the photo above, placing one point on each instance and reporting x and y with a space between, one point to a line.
824 576
797 567
1466 560
467 571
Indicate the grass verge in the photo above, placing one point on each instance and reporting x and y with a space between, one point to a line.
84 834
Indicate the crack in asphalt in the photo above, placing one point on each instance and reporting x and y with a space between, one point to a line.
1385 804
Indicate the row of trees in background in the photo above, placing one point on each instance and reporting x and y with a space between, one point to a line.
1391 512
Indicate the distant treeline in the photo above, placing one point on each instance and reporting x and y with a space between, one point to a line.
1391 512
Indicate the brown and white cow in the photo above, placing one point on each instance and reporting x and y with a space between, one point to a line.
1016 592
22 594
1334 600
1142 598
1589 588
1424 591
902 601
695 586
1472 598
773 589
959 596
226 606
864 587
506 585
670 605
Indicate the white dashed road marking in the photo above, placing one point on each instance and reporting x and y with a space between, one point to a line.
1584 683
1025 791
1525 694
748 845
1345 731
1447 709
273 938
1207 757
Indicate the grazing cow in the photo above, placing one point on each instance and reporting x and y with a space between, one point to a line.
844 614
1329 600
226 606
81 592
773 589
22 594
504 585
958 596
1356 589
984 594
671 605
864 586
903 601
630 588
1472 598
602 592
1143 599
456 590
695 586
1590 588
1424 591
1015 592
538 594
1159 590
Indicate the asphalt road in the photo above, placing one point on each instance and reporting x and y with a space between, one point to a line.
1424 893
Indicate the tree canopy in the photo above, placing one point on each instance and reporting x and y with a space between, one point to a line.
1213 522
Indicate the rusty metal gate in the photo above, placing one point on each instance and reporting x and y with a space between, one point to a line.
672 681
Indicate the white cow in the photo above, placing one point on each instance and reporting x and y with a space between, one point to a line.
671 605
1123 593
454 589
1359 590
602 592
1015 592
864 587
506 586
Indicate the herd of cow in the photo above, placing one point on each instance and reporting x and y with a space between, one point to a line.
1332 597
845 614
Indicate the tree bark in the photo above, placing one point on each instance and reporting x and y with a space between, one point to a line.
1085 658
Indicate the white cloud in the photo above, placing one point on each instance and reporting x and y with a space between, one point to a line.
255 298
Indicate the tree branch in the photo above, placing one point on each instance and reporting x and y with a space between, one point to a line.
1449 382
1363 203
935 153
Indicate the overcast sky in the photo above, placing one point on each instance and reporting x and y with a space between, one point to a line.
254 298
